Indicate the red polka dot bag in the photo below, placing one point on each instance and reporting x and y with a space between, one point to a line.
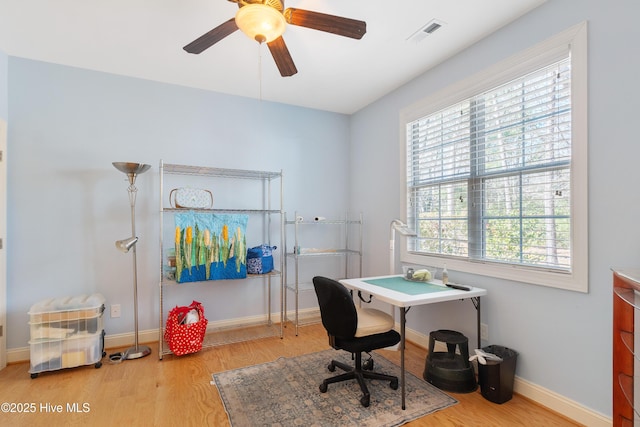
185 329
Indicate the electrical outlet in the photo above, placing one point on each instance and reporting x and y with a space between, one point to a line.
484 331
115 310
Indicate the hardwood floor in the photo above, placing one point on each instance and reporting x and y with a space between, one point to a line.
177 391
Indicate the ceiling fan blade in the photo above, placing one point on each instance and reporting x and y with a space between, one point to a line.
212 37
283 59
328 23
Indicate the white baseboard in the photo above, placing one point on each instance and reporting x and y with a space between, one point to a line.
17 355
560 404
540 395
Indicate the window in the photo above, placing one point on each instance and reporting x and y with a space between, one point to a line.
496 169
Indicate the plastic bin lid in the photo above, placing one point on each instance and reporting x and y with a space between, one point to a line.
81 302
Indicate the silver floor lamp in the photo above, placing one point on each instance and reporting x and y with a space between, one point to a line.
132 170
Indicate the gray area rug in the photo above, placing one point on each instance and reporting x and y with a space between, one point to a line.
285 393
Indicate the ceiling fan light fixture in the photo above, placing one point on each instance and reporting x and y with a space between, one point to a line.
260 22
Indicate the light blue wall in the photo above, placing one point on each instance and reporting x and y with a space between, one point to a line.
67 204
564 338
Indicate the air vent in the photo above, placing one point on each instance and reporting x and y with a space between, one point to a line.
432 27
426 30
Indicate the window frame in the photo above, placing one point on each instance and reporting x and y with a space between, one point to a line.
573 40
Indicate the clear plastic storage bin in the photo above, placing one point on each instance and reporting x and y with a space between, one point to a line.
66 332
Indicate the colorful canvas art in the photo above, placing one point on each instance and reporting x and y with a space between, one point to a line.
210 246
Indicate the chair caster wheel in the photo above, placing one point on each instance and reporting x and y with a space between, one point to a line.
364 400
331 367
394 384
323 388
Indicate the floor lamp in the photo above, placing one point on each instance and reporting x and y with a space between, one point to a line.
132 170
403 229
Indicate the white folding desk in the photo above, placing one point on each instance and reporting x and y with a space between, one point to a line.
404 301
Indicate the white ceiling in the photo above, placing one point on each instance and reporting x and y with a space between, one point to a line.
144 38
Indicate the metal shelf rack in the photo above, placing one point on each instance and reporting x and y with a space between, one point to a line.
296 254
267 206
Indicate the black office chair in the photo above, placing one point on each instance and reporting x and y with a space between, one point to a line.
354 330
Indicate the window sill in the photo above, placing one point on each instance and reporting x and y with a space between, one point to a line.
571 281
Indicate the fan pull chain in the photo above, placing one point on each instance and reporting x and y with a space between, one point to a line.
260 71
260 104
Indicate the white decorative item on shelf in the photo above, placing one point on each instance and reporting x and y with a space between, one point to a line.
191 198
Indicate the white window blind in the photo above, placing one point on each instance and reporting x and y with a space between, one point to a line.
489 178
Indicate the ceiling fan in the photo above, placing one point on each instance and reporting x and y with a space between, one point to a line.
266 20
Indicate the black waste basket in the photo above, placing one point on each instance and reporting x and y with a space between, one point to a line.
496 378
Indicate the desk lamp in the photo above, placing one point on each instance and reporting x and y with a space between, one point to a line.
132 170
404 230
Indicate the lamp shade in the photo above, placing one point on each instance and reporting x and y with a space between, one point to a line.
125 244
131 169
402 228
260 22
